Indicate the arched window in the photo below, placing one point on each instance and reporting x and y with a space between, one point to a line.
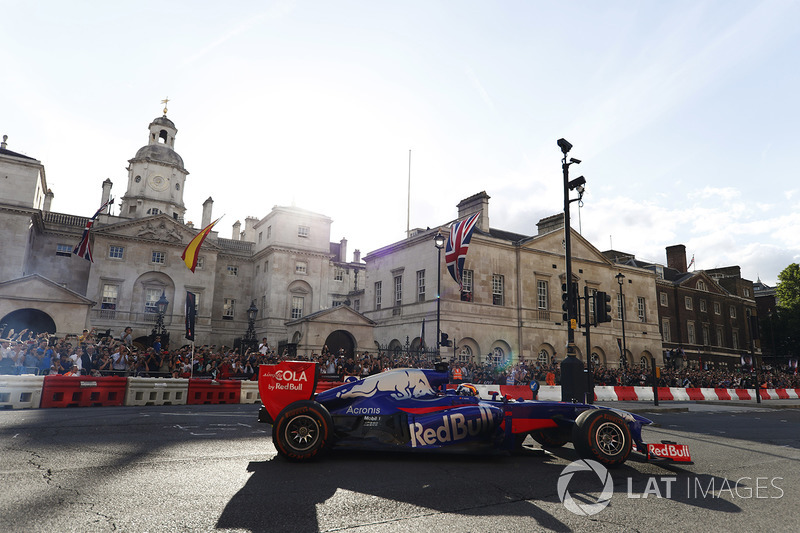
465 355
497 356
544 358
595 359
645 362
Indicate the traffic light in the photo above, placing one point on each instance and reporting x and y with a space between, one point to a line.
445 340
602 307
565 303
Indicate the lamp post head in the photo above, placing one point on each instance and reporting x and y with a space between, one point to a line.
252 311
620 277
438 240
162 304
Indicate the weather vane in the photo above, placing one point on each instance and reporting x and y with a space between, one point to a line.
165 101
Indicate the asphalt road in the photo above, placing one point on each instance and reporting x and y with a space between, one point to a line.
207 468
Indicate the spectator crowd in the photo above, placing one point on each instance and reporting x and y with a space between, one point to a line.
90 354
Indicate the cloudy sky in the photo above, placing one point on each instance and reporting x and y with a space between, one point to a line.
684 113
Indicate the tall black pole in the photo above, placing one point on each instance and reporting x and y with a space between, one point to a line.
571 303
624 358
438 301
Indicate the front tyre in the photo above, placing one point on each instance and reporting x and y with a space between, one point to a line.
603 436
302 431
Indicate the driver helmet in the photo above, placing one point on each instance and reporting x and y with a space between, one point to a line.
467 389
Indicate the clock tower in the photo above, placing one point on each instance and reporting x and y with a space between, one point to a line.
156 175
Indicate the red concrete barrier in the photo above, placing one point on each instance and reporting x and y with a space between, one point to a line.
203 391
325 385
83 391
626 394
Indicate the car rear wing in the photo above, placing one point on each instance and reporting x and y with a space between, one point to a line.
285 383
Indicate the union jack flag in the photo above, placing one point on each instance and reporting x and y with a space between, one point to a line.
84 248
457 246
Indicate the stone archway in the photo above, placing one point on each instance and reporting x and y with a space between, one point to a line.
32 319
341 340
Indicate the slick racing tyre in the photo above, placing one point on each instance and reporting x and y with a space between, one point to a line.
603 436
302 431
551 437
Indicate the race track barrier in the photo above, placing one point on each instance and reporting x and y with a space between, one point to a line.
249 392
21 392
203 391
83 391
156 391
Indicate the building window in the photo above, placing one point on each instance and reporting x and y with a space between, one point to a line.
666 335
733 312
303 231
543 358
233 270
746 292
151 296
592 295
690 333
263 305
378 287
269 232
159 258
153 211
398 291
258 269
701 285
64 250
200 262
420 285
735 339
706 335
640 304
703 307
688 302
663 299
297 306
465 355
541 294
110 293
338 274
466 286
260 235
720 336
301 267
497 289
116 252
357 305
228 309
717 308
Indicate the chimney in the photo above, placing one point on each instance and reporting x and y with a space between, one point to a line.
676 257
356 256
106 194
237 229
343 251
207 205
473 204
551 223
48 199
250 229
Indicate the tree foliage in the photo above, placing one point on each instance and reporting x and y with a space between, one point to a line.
788 289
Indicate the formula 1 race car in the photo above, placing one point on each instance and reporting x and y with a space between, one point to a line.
412 409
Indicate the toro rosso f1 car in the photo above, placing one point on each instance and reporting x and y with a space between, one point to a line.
411 409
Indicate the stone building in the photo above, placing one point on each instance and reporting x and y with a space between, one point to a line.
283 263
510 308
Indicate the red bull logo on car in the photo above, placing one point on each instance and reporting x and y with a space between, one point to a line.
454 426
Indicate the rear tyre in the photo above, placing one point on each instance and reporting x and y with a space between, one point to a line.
603 436
302 431
551 438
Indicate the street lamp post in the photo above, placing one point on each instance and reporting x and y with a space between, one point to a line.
438 241
571 368
158 330
620 277
250 336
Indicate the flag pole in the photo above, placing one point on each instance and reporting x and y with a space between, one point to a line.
191 368
408 210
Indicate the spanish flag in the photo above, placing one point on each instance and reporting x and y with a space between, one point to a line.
192 251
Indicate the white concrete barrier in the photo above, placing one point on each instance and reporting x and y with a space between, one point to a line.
249 392
156 391
21 392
